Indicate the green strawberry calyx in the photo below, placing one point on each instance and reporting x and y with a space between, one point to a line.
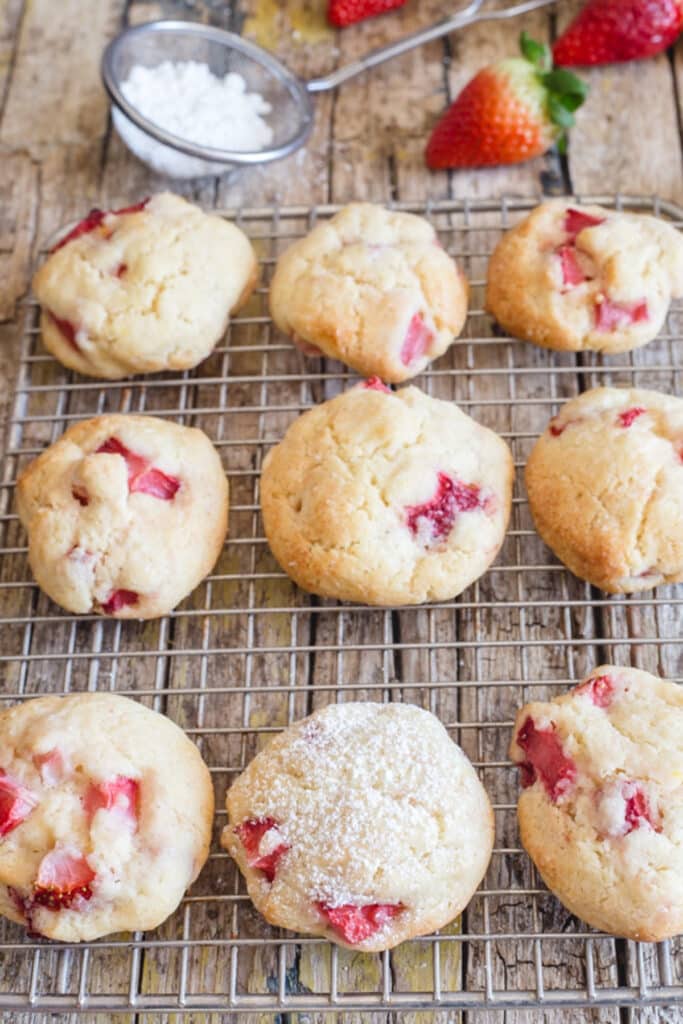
565 91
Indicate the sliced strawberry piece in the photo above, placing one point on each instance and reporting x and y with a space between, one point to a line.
51 765
572 272
119 599
120 794
611 315
600 690
95 219
638 812
356 924
156 483
135 208
121 270
341 13
438 514
557 429
545 760
84 227
66 329
375 384
16 803
576 221
250 834
142 478
628 416
417 340
64 876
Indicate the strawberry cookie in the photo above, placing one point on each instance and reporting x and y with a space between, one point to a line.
373 288
386 497
601 812
364 824
605 484
125 515
575 278
145 288
106 810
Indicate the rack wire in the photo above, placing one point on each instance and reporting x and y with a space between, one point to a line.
248 653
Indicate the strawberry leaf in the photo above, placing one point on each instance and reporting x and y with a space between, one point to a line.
536 53
565 83
558 112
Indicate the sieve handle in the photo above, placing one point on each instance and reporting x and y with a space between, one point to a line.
469 15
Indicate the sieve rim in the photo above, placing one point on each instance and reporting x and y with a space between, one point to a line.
296 88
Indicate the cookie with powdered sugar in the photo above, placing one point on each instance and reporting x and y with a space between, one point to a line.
373 288
582 278
145 288
363 823
601 814
106 810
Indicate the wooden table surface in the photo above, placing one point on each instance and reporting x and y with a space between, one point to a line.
59 157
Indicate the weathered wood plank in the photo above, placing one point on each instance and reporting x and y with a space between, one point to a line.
627 135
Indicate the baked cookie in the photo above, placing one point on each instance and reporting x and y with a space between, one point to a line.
386 497
605 485
601 814
146 288
106 811
364 824
125 515
373 288
575 278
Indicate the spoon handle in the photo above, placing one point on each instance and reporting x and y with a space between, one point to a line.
469 15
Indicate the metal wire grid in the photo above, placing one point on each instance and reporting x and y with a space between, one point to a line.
247 653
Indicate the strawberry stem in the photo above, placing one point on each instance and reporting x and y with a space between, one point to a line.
566 91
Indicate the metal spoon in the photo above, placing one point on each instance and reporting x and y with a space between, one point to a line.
291 98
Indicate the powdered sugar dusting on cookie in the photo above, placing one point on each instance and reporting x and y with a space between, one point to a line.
379 809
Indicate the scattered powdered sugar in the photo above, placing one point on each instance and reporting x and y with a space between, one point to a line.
186 99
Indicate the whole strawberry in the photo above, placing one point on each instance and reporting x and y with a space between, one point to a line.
606 31
511 111
345 12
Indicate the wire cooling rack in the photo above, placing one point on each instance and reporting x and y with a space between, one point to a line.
248 653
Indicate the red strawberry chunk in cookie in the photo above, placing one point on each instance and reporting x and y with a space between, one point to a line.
95 219
611 315
66 329
375 384
437 515
64 876
600 690
627 417
250 834
16 803
576 221
638 812
119 599
120 794
356 924
545 759
572 272
142 478
417 340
